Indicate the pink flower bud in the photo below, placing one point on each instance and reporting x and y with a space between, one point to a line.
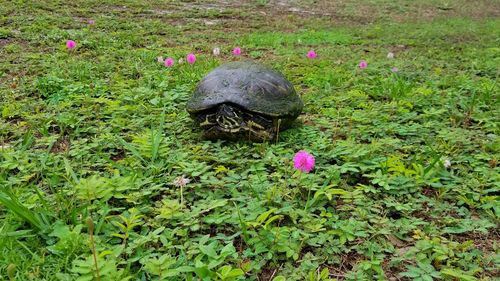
191 58
70 44
303 161
169 62
311 54
363 64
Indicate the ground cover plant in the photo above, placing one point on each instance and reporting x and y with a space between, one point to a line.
103 175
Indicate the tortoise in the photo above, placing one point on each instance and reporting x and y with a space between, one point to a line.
244 100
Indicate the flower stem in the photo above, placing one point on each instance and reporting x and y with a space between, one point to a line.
308 197
90 225
182 196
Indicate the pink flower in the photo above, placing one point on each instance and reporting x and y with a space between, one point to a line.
394 69
303 161
169 62
91 22
363 64
237 51
191 58
70 44
311 54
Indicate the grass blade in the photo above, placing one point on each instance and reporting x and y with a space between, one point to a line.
12 203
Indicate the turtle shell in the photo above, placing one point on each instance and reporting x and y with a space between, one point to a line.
249 85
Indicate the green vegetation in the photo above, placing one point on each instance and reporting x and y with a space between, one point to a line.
93 141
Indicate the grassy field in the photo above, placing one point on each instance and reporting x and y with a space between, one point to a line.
95 142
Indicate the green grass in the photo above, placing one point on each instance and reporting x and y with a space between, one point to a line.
92 140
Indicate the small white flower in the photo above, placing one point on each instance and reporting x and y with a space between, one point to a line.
181 181
159 59
181 60
447 163
390 55
216 51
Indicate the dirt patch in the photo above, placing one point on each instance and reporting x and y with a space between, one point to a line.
486 242
392 273
118 155
5 41
293 15
347 263
352 11
267 274
62 145
429 192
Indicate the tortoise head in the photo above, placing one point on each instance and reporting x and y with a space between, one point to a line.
232 122
229 118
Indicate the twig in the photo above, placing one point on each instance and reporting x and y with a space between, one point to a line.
90 224
274 272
